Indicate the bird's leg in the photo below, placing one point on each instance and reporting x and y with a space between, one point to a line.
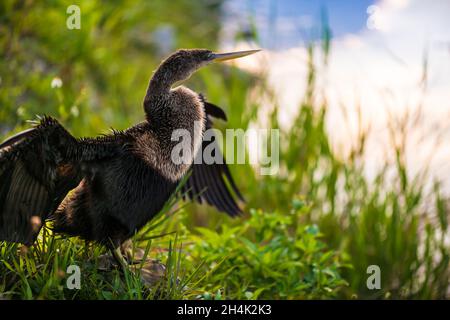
120 259
107 262
134 255
116 252
150 270
121 255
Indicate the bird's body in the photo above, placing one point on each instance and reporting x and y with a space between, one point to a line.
118 194
138 177
105 189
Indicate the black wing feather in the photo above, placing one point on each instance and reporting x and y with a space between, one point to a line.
34 179
209 182
18 137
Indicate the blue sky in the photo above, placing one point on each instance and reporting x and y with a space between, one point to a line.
286 23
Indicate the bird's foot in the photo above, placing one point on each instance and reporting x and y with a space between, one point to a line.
106 262
118 258
151 271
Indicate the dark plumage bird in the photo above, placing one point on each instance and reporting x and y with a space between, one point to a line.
118 182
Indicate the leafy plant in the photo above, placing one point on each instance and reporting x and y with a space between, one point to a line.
269 256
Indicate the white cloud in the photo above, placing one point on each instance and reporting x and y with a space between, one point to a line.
381 71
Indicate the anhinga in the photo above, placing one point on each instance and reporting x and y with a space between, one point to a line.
105 189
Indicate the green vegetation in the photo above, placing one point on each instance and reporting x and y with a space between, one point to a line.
310 231
241 262
270 256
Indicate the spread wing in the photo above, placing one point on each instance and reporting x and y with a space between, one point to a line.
213 183
34 178
38 168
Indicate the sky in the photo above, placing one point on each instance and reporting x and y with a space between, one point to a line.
283 24
379 49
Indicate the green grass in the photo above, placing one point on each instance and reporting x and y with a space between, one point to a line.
309 232
242 262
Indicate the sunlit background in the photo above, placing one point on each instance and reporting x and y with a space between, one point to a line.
389 63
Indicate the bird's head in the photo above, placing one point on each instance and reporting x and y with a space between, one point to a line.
179 66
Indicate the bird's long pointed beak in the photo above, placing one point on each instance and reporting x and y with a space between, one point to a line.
219 57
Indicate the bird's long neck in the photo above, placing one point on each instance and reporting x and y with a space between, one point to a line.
159 87
169 73
160 83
